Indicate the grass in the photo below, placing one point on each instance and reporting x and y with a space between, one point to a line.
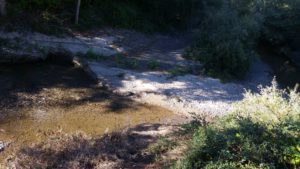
179 71
94 56
131 63
162 145
153 65
122 61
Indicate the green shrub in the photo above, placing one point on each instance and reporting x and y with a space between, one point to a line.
282 21
153 64
226 38
94 56
228 165
230 29
178 71
131 63
262 132
163 145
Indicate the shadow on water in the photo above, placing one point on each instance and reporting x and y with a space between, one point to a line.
123 150
33 78
41 97
287 73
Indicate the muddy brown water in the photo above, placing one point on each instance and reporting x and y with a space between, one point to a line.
37 99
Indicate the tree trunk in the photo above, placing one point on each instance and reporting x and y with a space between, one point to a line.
77 12
2 7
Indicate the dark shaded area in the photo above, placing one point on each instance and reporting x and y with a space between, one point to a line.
125 149
56 16
31 78
287 73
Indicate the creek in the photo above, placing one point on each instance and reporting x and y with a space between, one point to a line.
41 98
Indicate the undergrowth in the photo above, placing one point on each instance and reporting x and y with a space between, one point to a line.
262 132
161 146
230 30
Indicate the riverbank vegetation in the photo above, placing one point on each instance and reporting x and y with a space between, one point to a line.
230 30
262 132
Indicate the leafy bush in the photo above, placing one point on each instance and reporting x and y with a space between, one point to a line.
262 132
226 38
282 23
163 145
230 29
153 64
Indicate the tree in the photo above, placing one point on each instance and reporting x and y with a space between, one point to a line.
77 11
2 7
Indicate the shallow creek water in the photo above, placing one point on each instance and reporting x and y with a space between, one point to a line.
37 99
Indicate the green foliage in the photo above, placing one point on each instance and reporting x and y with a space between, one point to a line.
179 71
131 63
228 165
230 29
262 132
163 145
142 15
153 64
282 23
38 4
227 35
46 16
92 55
123 61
